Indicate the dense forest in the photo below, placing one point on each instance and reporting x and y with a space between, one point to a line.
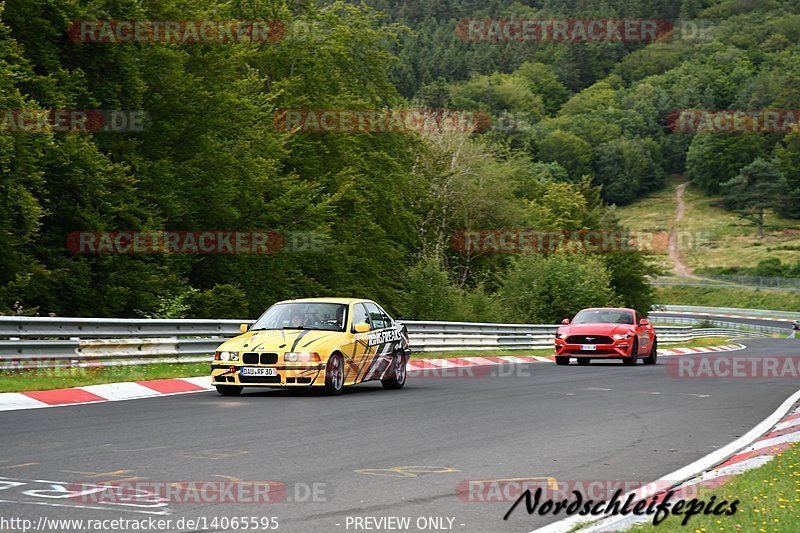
576 128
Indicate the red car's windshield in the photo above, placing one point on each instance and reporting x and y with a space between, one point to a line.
603 316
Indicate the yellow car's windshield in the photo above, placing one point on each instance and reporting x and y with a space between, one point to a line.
304 315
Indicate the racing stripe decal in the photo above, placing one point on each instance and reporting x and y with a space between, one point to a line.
379 356
306 345
355 363
302 334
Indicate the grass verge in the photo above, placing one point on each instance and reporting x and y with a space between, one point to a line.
734 297
769 501
62 378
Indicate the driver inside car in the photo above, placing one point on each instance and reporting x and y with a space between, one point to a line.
297 320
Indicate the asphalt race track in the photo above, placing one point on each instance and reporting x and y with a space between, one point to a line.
603 421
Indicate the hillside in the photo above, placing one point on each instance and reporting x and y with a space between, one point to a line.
713 239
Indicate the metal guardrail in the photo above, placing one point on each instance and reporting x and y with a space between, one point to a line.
87 328
442 342
46 341
718 323
22 354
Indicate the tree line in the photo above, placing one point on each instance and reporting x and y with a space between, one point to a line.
576 128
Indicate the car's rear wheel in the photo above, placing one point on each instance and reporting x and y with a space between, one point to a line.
561 360
334 375
397 373
584 361
651 359
631 360
229 390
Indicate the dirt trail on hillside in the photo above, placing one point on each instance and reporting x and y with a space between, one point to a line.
679 266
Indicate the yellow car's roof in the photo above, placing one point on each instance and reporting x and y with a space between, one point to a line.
328 300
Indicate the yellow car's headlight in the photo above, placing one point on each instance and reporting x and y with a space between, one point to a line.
301 357
228 356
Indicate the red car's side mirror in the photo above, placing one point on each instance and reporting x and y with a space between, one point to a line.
644 322
565 321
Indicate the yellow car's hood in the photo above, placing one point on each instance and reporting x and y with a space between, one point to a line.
281 341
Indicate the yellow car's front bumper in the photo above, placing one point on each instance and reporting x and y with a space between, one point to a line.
287 375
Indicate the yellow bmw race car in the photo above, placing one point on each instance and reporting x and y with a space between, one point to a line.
314 342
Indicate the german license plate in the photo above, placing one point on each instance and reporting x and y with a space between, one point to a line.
589 347
258 371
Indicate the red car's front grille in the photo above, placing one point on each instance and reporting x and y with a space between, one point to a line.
589 339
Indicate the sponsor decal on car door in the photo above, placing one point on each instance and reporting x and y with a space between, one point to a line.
358 352
382 340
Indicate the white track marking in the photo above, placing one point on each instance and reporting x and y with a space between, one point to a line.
163 512
11 401
120 391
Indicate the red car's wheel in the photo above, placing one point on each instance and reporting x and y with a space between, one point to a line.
631 359
560 360
651 359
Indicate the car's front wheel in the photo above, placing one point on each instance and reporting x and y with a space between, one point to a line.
397 373
651 359
334 375
561 360
631 360
229 390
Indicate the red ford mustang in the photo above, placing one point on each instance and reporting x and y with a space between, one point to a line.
609 333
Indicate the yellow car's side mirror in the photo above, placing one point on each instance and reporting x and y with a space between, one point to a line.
243 328
361 328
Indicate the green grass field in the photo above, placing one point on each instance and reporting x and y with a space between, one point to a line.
654 213
769 501
712 236
742 297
